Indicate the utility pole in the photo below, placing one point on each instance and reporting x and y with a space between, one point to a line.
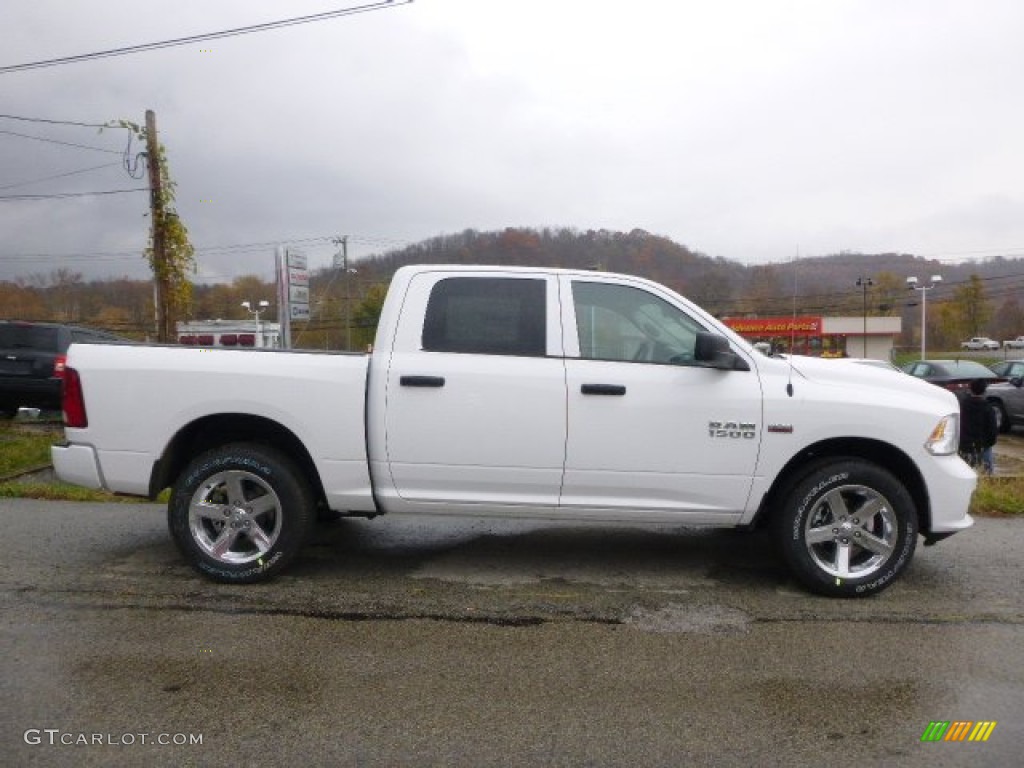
156 211
343 242
865 283
348 295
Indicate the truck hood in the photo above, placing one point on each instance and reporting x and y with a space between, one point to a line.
867 382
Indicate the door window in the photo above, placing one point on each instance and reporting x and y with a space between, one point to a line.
488 316
623 323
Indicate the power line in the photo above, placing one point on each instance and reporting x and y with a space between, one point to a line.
59 175
57 122
125 154
235 249
203 37
62 195
62 143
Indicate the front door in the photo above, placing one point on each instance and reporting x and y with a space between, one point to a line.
651 431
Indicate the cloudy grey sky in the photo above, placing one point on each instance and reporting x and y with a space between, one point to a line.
745 129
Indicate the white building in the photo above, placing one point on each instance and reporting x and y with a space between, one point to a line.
229 333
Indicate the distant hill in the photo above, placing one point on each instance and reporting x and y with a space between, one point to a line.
821 285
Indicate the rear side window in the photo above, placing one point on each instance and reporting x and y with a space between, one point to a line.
38 337
921 370
487 316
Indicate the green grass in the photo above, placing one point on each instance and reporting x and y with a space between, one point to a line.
985 358
24 447
999 497
21 449
58 491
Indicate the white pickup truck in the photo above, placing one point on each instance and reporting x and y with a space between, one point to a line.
980 342
562 395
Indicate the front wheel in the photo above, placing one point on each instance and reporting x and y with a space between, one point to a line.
240 513
1003 423
847 528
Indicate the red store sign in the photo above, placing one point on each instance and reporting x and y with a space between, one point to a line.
802 325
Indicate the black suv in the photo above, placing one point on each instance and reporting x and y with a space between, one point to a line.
32 362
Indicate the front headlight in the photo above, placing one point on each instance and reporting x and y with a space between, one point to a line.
945 438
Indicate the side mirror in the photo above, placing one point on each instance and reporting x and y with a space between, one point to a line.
1017 381
713 351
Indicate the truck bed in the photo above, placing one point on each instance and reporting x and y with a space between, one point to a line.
318 397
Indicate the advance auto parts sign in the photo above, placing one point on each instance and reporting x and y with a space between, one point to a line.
804 325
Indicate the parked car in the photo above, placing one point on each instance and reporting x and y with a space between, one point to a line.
1008 397
1009 369
885 365
32 359
979 342
954 375
1017 343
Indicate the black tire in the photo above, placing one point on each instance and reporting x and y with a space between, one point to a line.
240 513
1002 417
847 528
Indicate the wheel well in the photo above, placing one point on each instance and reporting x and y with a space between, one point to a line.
214 431
875 451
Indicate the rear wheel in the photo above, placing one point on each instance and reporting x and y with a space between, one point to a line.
847 528
240 513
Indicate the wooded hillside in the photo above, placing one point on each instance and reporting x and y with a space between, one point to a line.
975 298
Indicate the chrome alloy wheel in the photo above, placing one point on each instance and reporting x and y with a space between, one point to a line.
851 532
235 517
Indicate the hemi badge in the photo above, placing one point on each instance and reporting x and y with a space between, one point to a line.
782 429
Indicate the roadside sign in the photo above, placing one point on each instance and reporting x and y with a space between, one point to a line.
292 290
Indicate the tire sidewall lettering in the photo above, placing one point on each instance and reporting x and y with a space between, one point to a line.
220 573
811 498
219 463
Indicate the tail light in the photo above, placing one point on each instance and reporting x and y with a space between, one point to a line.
60 363
73 399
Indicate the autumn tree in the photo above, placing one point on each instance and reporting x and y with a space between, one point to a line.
887 295
765 293
1008 320
945 325
366 315
972 307
19 301
61 287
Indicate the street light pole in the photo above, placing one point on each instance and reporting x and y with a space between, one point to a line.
261 306
912 285
865 283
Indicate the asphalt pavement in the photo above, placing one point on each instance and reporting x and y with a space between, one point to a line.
481 642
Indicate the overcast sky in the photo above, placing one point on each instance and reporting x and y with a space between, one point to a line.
750 129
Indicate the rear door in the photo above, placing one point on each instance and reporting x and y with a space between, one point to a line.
476 411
